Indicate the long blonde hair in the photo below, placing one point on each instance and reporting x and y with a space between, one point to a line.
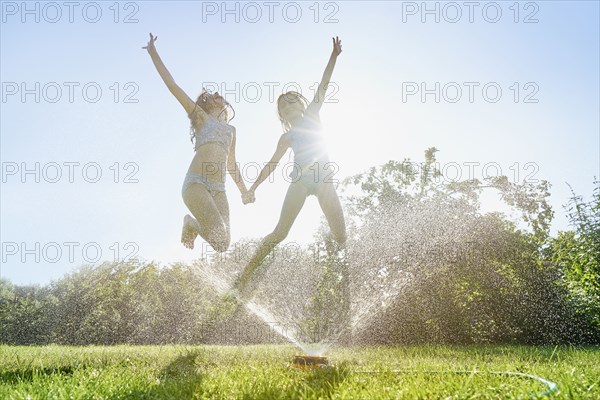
202 102
290 97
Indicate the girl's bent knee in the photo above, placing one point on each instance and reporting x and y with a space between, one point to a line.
220 246
220 241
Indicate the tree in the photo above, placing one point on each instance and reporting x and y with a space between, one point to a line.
427 266
578 255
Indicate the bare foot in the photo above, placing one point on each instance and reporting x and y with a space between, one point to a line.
189 231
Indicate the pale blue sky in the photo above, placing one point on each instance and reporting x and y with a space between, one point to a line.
369 124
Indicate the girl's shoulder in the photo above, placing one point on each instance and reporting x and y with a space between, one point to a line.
286 138
198 116
312 111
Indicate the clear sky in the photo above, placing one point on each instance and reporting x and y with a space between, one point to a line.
81 98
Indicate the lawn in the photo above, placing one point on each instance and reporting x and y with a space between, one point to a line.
263 372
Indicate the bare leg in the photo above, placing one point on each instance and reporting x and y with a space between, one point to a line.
220 199
209 223
190 230
332 208
337 266
293 203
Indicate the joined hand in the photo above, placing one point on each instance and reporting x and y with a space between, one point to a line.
248 197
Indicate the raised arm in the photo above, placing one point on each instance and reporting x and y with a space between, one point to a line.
282 147
183 98
233 169
319 98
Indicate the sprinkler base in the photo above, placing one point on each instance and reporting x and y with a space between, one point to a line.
310 362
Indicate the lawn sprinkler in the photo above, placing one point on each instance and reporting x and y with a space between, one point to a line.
310 362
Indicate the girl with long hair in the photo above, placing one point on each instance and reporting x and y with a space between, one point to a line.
312 173
203 188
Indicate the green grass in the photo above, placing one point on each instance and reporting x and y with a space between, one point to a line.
263 372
